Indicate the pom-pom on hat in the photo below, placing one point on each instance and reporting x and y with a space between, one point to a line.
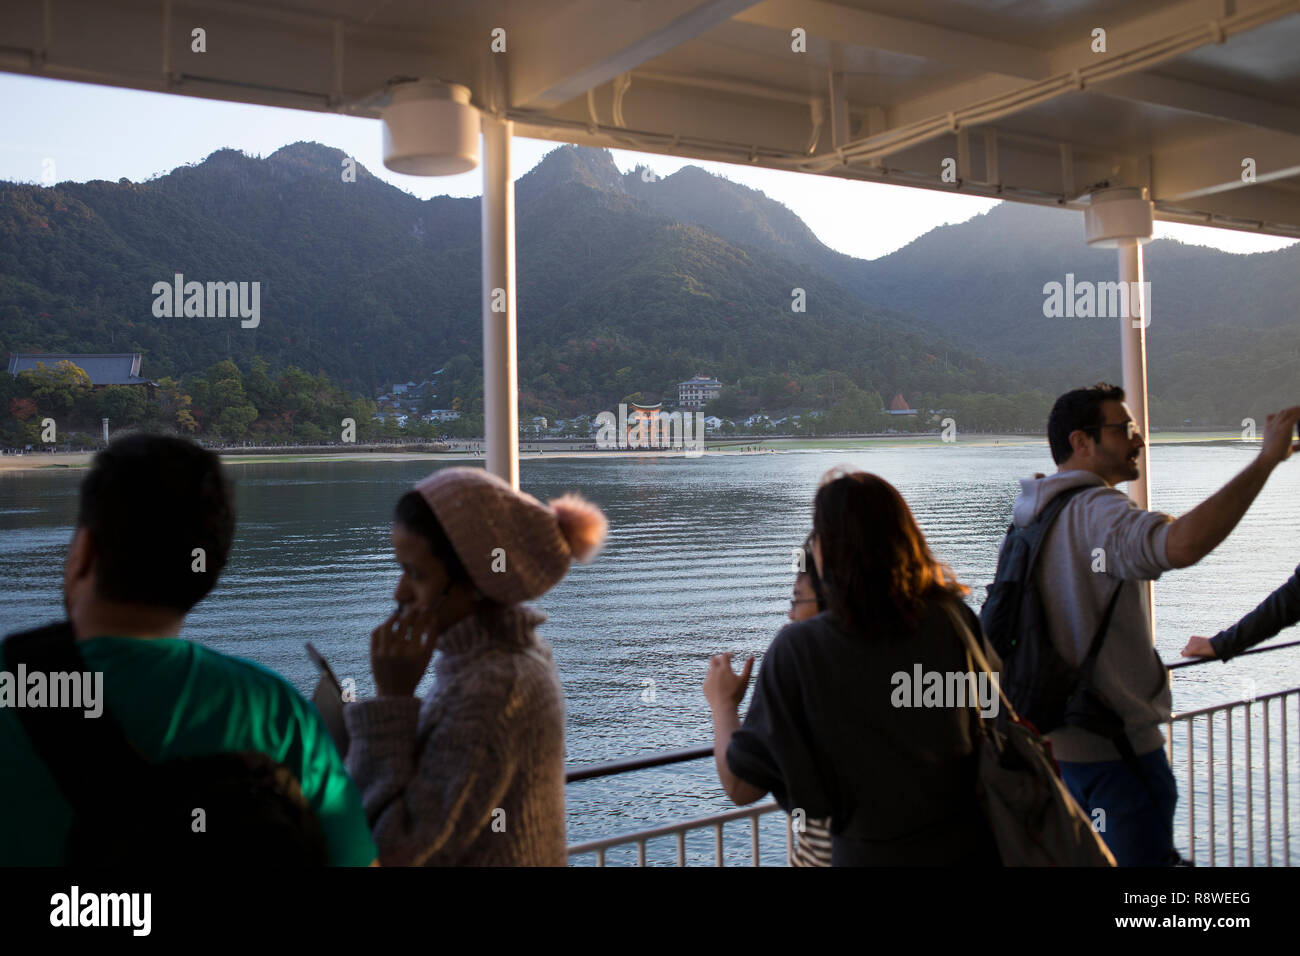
482 513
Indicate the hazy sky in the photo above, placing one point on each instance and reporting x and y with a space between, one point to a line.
99 132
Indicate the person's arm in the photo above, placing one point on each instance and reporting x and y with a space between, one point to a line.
1276 612
1204 528
725 690
428 803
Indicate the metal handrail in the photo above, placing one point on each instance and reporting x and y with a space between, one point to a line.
610 768
1210 660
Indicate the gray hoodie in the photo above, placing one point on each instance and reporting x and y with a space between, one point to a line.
1100 538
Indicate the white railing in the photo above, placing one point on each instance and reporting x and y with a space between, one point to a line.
1227 749
1209 794
679 830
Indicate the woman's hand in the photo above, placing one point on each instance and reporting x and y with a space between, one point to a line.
723 688
1199 647
400 650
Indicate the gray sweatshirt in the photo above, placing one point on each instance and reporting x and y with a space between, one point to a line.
1100 538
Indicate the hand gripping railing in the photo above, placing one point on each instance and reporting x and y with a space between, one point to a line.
1273 801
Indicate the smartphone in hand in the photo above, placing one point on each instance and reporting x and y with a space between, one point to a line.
328 699
322 665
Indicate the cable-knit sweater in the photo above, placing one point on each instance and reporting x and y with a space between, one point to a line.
474 775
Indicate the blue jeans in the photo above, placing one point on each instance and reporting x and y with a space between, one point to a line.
1138 830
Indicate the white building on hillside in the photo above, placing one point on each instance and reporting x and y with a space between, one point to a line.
697 391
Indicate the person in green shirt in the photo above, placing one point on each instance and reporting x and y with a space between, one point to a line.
153 533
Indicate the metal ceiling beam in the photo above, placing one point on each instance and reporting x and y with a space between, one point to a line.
1004 66
1219 165
601 39
1266 209
853 27
1202 100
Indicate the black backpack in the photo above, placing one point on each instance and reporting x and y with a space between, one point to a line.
1043 688
128 810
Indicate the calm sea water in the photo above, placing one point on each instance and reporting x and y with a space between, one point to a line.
698 561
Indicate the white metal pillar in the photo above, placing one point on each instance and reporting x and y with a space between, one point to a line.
1133 359
500 363
1121 218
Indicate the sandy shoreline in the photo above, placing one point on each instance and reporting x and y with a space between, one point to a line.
38 460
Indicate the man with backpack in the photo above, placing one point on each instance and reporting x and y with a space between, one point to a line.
187 754
1069 614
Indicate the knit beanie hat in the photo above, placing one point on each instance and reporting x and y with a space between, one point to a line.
514 547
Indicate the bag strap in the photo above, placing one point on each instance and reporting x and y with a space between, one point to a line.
976 654
81 753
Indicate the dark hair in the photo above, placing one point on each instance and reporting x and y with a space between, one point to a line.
148 502
877 569
1075 411
253 812
810 570
414 514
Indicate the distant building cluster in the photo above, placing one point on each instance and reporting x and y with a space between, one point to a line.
400 404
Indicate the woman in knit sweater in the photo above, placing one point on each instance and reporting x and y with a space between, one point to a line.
474 774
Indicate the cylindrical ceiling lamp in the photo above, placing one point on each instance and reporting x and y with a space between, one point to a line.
1117 215
430 129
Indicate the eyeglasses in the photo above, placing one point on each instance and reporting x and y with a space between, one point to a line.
1130 428
795 602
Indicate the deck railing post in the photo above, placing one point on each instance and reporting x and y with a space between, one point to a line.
1232 817
1268 789
1250 797
1191 794
1209 731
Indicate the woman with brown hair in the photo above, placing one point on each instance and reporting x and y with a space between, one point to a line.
830 730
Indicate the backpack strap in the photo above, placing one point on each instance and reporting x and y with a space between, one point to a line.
84 755
1044 521
1099 637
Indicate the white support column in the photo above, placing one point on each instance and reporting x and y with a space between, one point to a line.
1121 218
500 363
1133 362
1133 359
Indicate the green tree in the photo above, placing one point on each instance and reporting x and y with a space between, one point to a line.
60 390
122 404
234 421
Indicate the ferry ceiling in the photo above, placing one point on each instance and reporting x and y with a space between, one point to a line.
1198 101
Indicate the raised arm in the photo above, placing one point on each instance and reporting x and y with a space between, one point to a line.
1204 528
1275 613
725 690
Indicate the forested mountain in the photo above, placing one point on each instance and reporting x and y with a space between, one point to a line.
1224 338
625 288
371 285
